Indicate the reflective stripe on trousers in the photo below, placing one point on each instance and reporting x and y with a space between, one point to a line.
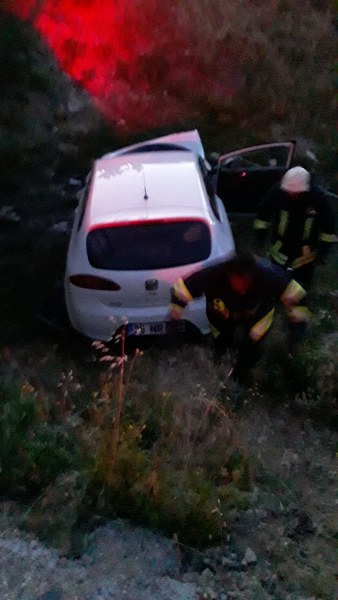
299 314
293 293
283 221
307 228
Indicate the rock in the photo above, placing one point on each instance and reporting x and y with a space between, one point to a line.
210 594
301 526
61 227
52 594
250 557
207 573
230 564
73 182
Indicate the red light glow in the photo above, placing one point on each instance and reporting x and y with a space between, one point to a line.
143 64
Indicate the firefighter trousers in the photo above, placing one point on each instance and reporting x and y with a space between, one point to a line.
248 351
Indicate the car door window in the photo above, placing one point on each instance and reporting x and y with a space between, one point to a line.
264 156
244 176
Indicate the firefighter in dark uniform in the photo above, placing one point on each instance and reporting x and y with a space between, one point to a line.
302 224
242 291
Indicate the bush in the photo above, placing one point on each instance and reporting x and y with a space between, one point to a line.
33 452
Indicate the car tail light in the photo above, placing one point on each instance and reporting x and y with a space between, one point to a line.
92 282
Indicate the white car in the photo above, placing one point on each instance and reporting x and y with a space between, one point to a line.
147 216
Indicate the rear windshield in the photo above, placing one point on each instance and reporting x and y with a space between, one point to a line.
154 245
161 147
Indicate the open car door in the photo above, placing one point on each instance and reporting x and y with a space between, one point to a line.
244 176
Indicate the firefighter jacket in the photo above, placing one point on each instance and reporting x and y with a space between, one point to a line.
302 225
254 309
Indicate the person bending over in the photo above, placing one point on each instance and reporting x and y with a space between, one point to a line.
243 291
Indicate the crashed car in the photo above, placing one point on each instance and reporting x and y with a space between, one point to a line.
147 216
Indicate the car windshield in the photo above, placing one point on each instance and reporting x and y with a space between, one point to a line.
153 245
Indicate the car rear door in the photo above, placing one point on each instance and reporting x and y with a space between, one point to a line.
244 176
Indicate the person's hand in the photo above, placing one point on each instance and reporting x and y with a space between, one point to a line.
175 314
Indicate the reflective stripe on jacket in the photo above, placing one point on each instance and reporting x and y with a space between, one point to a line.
259 224
307 257
262 326
181 293
330 238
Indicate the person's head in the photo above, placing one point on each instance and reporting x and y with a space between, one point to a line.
296 181
240 270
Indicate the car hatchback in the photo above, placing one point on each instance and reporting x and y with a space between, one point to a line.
147 216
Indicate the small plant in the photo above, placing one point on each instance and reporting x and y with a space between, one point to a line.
113 391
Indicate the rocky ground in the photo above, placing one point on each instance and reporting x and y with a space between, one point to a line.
131 563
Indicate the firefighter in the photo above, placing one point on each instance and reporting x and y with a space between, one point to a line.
242 291
302 224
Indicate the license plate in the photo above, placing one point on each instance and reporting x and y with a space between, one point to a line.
159 328
156 328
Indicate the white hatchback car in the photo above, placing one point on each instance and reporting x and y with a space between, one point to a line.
146 217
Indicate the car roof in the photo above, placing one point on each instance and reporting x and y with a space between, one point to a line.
147 185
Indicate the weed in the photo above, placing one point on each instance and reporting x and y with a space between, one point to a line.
32 452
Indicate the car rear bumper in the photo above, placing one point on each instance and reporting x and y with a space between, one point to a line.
99 322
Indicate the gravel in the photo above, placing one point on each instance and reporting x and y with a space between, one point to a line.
120 562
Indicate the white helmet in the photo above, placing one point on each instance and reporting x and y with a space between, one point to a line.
296 180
